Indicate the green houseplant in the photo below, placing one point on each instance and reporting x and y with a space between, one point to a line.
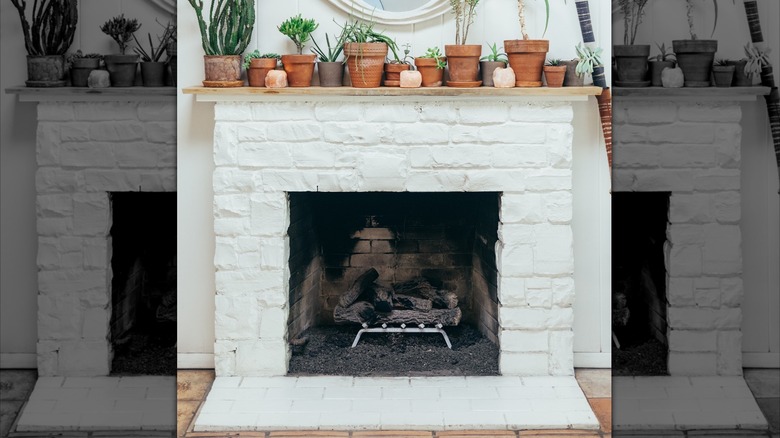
631 59
224 39
258 65
121 67
490 62
664 59
299 67
152 69
329 68
81 65
431 66
365 50
527 56
695 57
554 72
47 39
463 58
723 73
395 65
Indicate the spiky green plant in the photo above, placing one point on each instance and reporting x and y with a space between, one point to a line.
553 62
435 53
299 30
664 54
53 26
257 55
495 55
121 30
229 28
155 52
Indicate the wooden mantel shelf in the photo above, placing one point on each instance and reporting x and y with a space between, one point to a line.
79 94
691 93
257 94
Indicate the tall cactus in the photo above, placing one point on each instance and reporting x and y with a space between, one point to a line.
53 26
229 28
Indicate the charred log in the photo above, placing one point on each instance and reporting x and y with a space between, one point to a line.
361 284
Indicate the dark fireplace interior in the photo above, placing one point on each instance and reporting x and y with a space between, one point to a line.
443 240
639 224
143 284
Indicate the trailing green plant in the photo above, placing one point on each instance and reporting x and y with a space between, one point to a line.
632 10
333 52
464 11
588 59
495 55
53 26
229 28
407 58
299 30
121 30
257 55
521 15
435 53
553 62
155 52
663 54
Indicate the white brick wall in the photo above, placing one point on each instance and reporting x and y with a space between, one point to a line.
692 149
263 150
84 151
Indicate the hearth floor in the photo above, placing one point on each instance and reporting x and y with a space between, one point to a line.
684 404
87 404
394 403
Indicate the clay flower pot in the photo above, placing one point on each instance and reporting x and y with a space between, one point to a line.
46 71
122 69
222 71
258 69
80 69
656 68
695 58
740 78
299 68
486 69
393 74
526 57
723 74
331 74
432 76
366 63
572 79
153 74
463 60
554 75
631 62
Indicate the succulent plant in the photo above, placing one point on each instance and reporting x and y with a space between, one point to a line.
53 26
121 30
229 28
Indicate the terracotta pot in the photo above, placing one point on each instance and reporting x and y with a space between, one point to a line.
222 71
554 75
656 68
723 74
393 74
740 78
365 62
80 69
153 74
695 58
572 79
631 63
122 69
258 69
463 60
331 74
526 57
46 71
299 68
432 76
486 69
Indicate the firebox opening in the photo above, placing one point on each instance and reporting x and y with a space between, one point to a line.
143 284
639 303
437 248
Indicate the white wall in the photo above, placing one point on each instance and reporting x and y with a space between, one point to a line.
496 21
665 21
18 271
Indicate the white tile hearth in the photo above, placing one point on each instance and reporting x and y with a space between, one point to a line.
394 403
88 404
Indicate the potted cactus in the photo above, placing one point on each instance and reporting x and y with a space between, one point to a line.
258 65
394 67
299 67
121 67
329 68
47 40
630 58
723 73
527 56
431 66
554 72
463 58
224 39
152 69
81 65
694 56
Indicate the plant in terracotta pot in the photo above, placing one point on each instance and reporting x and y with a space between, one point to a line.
694 56
527 56
299 67
365 50
723 73
329 68
463 58
741 77
47 39
224 39
258 65
394 66
121 67
554 73
152 69
431 66
488 63
658 63
81 65
631 59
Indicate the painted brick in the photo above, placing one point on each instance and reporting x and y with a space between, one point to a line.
512 133
281 112
421 133
157 111
524 341
483 114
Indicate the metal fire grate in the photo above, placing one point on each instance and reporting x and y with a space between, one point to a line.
402 329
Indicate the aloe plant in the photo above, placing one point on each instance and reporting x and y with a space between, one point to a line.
495 55
663 54
334 51
155 52
229 28
53 26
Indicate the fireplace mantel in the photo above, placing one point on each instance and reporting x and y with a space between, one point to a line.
79 94
727 94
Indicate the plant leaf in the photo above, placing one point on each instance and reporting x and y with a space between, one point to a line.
715 22
547 18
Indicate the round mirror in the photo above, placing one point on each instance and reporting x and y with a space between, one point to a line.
393 12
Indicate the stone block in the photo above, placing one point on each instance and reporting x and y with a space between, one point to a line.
158 111
70 132
538 292
71 281
53 180
710 112
91 214
236 205
55 111
383 165
274 253
225 255
731 291
337 112
558 207
59 317
232 111
563 291
524 341
116 132
483 114
254 132
511 291
684 261
231 180
651 113
438 113
273 326
518 318
524 364
353 133
105 111
293 132
283 112
281 180
464 134
630 156
517 156
470 156
513 133
680 292
692 364
516 260
553 250
687 156
722 253
693 340
726 207
523 208
237 317
261 358
232 226
562 353
391 113
421 133
629 134
499 180
95 324
163 132
717 180
111 180
706 292
135 155
441 181
545 180
703 319
690 208
547 112
54 226
56 205
683 133
85 358
314 155
87 155
729 360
